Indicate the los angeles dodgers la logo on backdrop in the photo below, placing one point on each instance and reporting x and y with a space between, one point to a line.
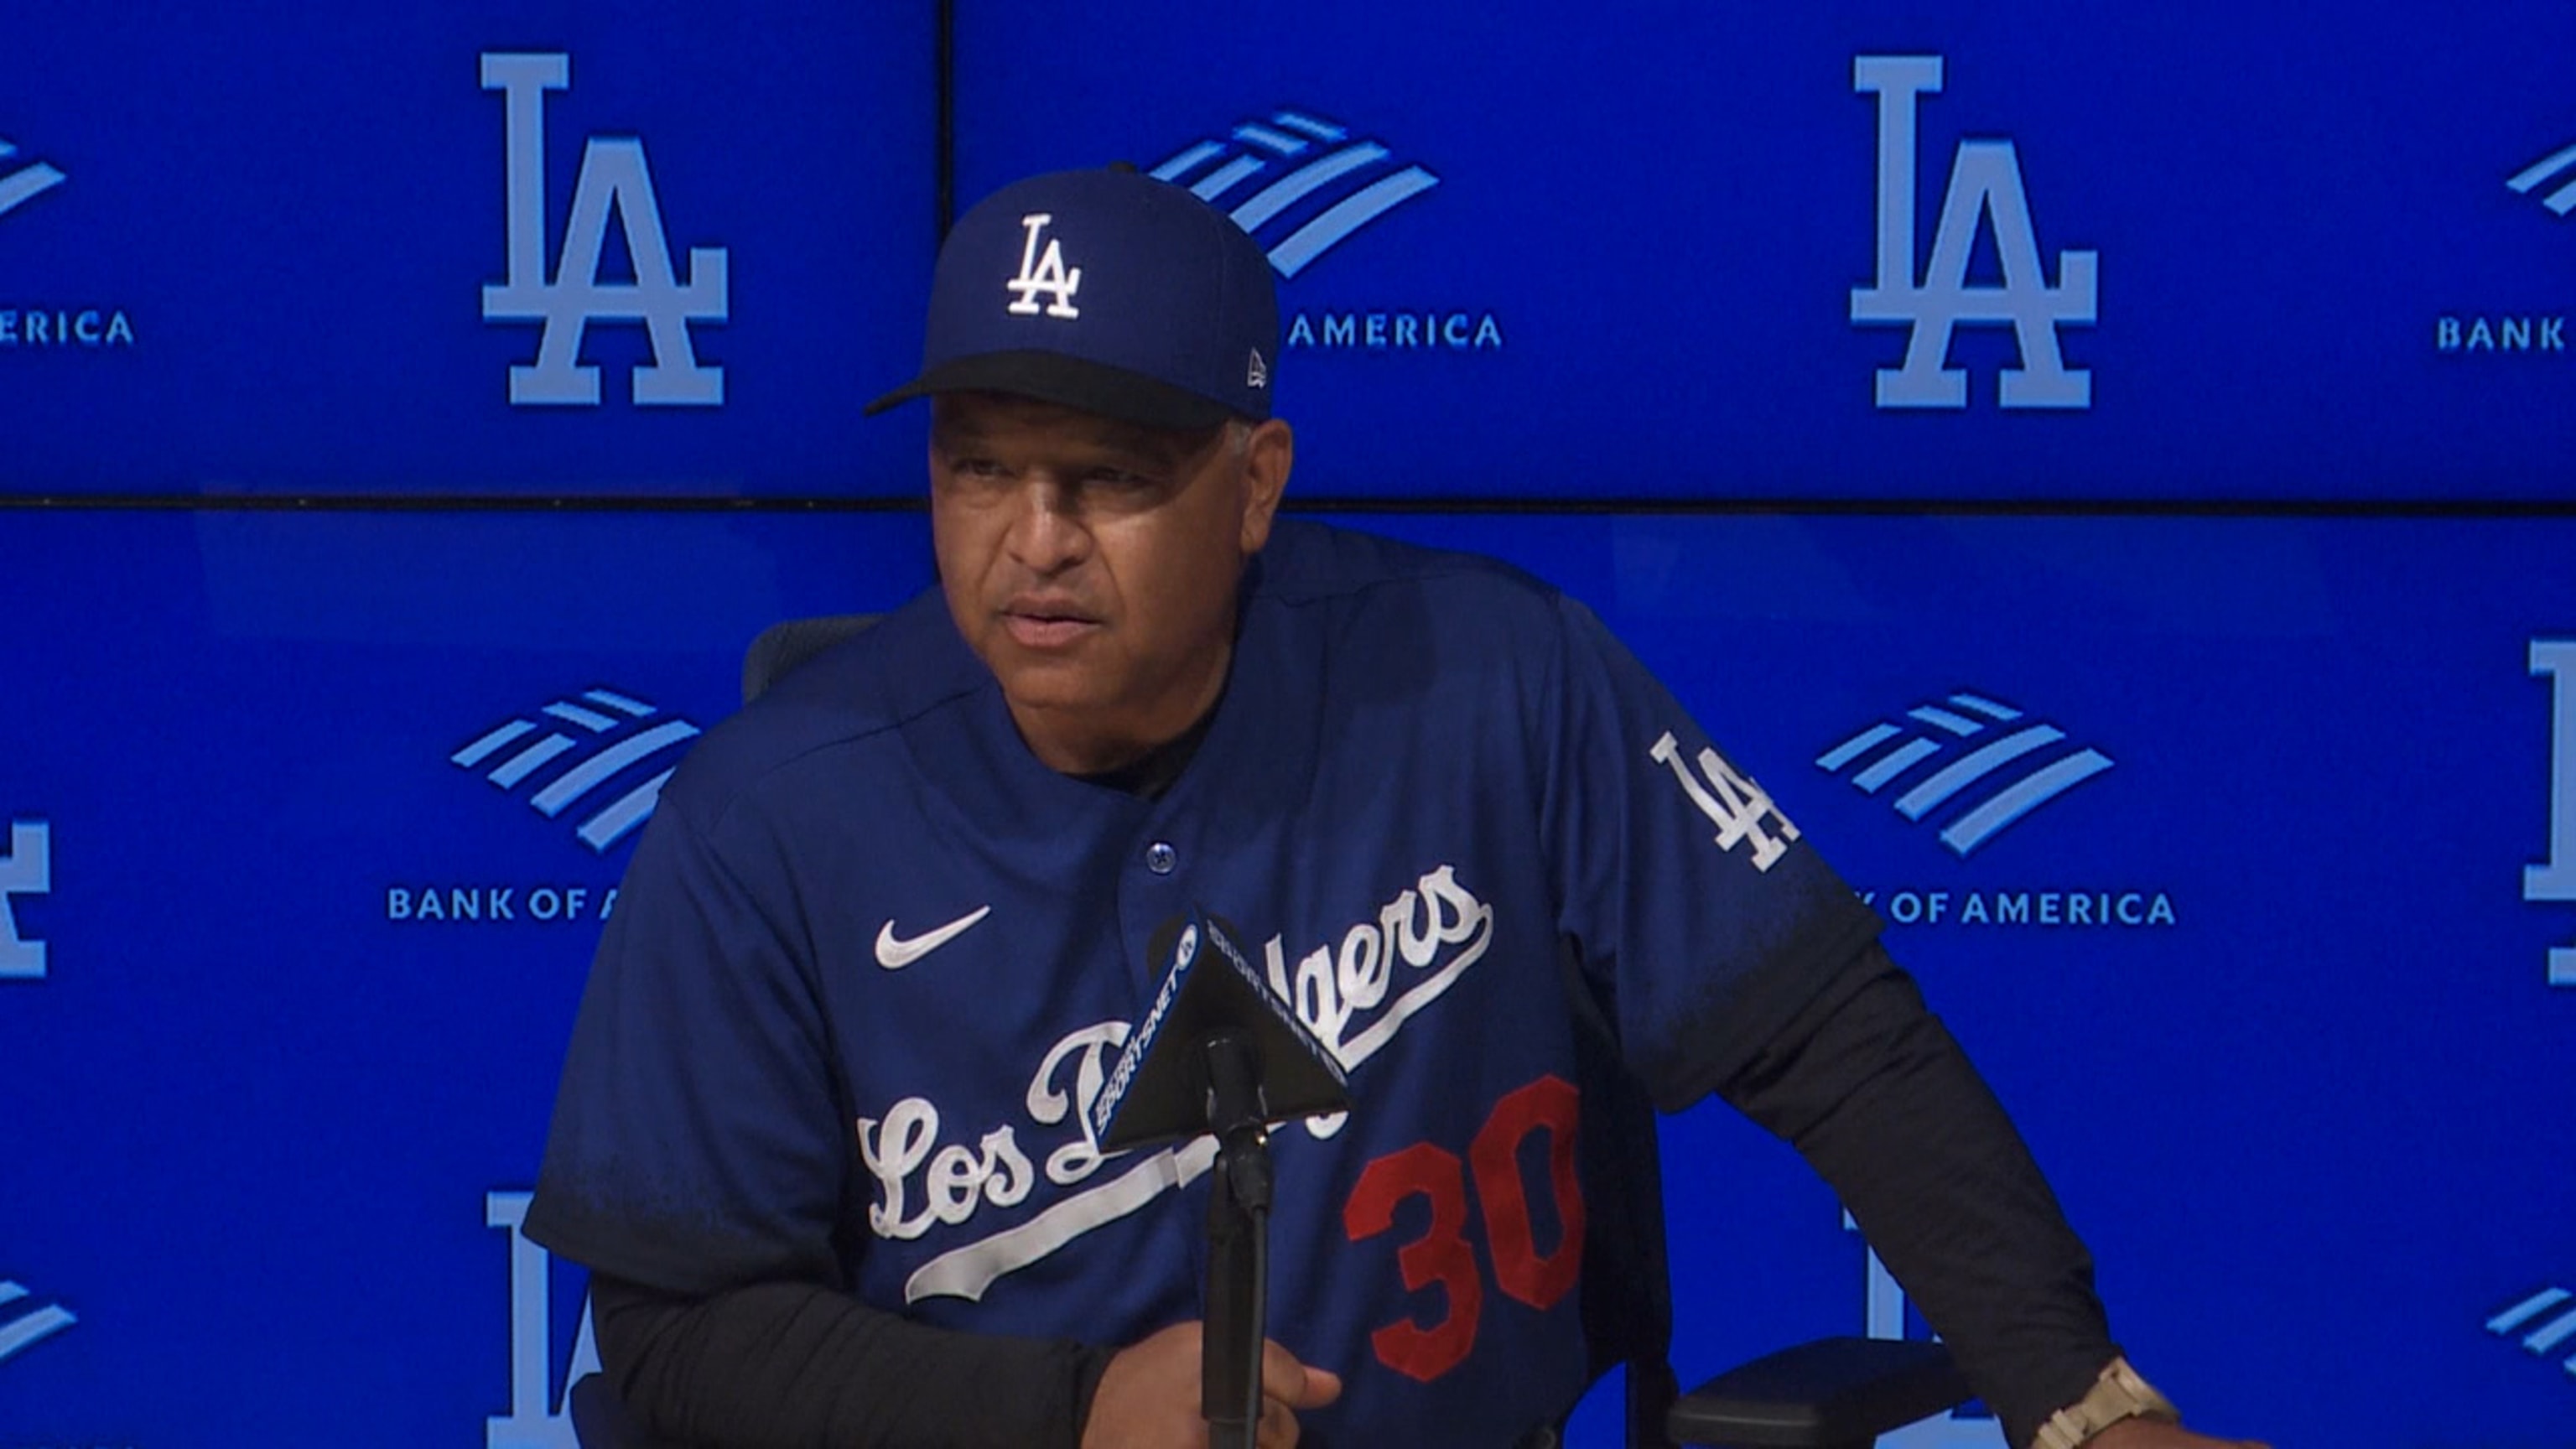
2555 878
28 870
540 1417
1043 274
613 173
1985 182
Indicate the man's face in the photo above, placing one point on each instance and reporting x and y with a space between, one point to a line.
1092 564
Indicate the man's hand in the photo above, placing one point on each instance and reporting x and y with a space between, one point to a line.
2149 1434
1149 1397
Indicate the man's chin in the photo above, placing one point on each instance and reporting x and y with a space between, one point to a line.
1047 683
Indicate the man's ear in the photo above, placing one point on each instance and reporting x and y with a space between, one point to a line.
1269 455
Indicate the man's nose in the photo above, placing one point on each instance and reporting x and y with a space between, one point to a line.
1047 534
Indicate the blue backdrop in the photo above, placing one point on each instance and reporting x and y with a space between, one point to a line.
2260 985
2194 251
1543 250
2237 843
273 236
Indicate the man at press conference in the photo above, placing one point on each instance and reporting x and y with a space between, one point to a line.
823 1135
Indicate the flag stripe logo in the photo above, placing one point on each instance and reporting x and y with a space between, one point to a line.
589 775
2560 201
1920 800
528 761
22 1333
1887 752
2547 1336
623 814
1295 187
25 184
621 734
1251 151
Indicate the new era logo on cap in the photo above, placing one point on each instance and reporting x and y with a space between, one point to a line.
1119 295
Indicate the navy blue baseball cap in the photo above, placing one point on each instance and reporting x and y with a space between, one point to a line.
1107 291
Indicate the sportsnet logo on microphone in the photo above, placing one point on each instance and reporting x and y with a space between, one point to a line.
1971 767
1302 184
597 761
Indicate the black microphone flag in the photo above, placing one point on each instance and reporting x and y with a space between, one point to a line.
1159 1089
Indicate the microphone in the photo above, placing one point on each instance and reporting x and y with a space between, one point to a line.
1220 1052
1166 1083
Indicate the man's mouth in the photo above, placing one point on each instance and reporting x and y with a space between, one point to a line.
1042 626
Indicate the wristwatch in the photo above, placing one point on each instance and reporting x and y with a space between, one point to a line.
2118 1394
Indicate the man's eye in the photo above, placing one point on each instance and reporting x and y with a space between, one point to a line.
971 467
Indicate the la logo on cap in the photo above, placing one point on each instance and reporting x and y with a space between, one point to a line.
1045 273
1258 374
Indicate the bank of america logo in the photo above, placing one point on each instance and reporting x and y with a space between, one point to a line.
2557 170
22 1329
2545 1322
1972 760
22 184
1301 179
612 737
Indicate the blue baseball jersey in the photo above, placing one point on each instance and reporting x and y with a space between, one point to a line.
872 961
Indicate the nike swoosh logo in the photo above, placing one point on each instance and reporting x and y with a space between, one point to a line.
895 953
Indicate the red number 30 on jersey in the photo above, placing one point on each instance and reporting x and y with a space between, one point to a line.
1443 1255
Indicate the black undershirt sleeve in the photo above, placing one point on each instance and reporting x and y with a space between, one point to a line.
1874 1092
799 1366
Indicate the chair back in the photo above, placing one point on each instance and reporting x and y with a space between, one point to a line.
1627 1299
777 650
599 1421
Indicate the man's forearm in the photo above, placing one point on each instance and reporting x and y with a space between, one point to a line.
797 1366
1874 1092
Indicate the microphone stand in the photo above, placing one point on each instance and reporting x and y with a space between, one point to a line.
1238 1287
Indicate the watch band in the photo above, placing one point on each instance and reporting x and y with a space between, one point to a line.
2119 1393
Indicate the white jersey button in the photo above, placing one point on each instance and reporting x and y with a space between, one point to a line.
1160 858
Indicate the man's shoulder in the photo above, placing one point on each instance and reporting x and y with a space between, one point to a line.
842 708
1310 563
